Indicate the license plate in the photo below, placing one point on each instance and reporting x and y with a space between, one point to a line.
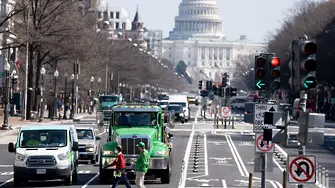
41 171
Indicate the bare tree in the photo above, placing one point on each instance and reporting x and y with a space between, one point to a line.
244 73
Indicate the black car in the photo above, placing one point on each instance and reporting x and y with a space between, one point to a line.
178 112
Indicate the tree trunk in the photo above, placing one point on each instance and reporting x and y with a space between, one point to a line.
37 79
30 72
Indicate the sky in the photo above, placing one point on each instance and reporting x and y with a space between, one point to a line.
254 18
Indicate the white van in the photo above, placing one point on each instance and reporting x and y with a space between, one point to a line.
238 102
47 152
183 101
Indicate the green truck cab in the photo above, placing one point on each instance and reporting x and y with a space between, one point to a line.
105 104
131 124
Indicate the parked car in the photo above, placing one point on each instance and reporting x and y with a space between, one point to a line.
88 144
178 112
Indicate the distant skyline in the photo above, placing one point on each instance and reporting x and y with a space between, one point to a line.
239 17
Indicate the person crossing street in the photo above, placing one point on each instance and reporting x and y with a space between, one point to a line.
142 165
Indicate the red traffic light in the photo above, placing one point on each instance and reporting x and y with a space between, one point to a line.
260 73
260 61
275 61
310 65
309 48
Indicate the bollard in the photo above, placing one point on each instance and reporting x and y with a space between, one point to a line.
327 179
284 179
323 174
225 123
229 120
319 177
250 180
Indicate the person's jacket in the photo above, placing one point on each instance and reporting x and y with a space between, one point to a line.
142 163
119 162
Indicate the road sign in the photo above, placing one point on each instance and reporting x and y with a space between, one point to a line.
226 111
301 169
263 146
259 111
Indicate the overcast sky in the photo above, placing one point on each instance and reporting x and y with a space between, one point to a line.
254 18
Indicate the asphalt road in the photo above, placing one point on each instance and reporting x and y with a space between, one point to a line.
224 160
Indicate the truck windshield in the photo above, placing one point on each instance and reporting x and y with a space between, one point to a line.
183 104
175 108
108 99
135 118
43 138
85 134
162 97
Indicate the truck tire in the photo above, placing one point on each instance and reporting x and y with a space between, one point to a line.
182 121
166 174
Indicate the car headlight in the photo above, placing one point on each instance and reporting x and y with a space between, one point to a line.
20 157
90 149
63 156
108 153
161 153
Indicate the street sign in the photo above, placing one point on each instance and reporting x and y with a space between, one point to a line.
259 111
2 74
263 146
226 111
301 169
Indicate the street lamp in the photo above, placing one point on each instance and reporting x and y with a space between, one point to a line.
65 96
99 81
56 74
91 103
72 98
6 110
43 71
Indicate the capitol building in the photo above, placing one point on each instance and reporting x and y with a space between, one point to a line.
197 39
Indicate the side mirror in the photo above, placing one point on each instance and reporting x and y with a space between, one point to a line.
75 146
11 147
170 135
98 138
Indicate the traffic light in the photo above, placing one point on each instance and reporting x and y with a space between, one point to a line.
308 65
210 85
225 79
200 84
261 70
274 70
216 90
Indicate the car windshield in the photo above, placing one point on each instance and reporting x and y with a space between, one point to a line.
175 108
43 138
108 99
85 134
183 104
135 118
163 103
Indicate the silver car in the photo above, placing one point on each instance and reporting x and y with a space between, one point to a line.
88 144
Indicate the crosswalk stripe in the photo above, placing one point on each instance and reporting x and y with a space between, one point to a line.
6 173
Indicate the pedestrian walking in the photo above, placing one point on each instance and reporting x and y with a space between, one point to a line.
120 166
142 165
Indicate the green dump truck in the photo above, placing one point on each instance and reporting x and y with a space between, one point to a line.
131 124
105 107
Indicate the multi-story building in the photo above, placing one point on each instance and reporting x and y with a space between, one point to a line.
154 40
197 40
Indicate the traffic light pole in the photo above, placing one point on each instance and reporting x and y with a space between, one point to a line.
302 147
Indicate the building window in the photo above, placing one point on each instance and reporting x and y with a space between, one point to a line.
111 15
227 63
210 53
203 50
203 63
117 25
228 54
220 64
117 15
220 53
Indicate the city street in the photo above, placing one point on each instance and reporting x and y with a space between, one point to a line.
225 160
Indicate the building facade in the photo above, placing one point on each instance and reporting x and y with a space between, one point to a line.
197 40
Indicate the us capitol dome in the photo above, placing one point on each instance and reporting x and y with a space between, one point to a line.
197 19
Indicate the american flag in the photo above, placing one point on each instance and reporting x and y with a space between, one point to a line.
18 66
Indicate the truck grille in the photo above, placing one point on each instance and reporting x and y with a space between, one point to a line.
41 161
82 148
129 145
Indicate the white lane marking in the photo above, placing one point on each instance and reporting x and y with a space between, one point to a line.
224 184
273 184
5 166
89 181
4 183
84 172
183 177
206 155
279 185
235 158
7 173
238 156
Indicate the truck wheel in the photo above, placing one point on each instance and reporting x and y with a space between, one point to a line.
166 174
182 121
186 120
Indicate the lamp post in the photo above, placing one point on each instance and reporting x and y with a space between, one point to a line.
14 77
99 81
91 102
72 98
43 71
56 74
6 110
65 96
